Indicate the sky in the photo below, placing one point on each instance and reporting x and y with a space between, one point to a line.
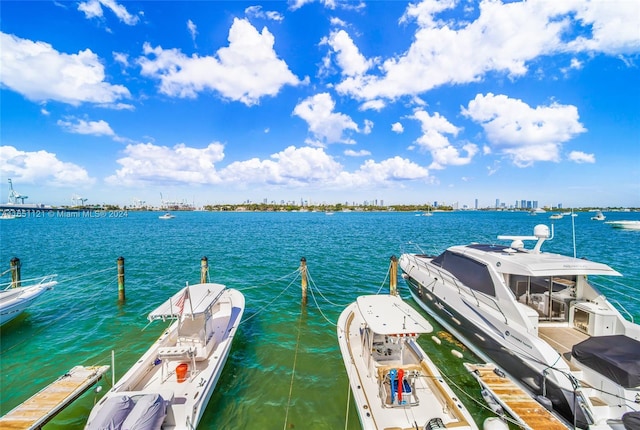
323 101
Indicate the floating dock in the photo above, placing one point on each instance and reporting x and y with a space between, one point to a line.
519 404
48 402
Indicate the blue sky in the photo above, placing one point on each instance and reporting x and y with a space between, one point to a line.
326 101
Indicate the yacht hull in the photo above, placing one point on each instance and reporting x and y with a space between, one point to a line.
490 344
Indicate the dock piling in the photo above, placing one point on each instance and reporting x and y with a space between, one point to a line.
15 272
303 279
204 270
393 276
121 292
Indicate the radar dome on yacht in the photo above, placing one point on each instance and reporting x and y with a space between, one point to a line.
541 231
517 244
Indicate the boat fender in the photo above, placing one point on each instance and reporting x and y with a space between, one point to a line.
544 401
400 378
494 423
393 374
434 423
436 339
456 353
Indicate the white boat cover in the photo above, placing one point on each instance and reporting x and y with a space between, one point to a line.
390 315
112 414
147 414
191 299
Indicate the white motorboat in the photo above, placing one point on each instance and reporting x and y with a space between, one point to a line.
14 300
394 383
556 216
625 225
539 317
170 385
168 215
599 216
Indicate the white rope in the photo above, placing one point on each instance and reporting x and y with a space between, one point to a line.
385 279
320 310
293 372
346 420
244 320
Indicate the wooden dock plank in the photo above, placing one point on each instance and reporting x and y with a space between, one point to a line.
44 405
515 400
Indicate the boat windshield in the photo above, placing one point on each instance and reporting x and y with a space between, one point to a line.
549 296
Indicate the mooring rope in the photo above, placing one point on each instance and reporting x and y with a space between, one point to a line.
87 274
319 309
293 371
385 279
346 419
483 405
244 320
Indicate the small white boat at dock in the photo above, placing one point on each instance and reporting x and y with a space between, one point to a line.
170 385
394 383
168 215
14 300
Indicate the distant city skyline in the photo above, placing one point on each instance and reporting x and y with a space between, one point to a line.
76 200
406 102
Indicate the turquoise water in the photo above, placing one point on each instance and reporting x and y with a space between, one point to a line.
285 370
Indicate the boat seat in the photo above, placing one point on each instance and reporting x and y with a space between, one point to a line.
200 349
176 352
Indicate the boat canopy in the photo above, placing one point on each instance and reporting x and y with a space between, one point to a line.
522 262
192 299
390 315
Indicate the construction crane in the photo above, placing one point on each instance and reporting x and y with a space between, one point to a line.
15 196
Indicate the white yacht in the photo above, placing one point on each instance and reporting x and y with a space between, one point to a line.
537 316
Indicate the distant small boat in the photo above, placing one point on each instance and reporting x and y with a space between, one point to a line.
167 216
599 216
625 225
14 300
7 215
556 216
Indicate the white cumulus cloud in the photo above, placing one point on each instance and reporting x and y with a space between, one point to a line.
148 163
326 125
436 130
81 126
524 133
244 71
40 73
41 167
582 157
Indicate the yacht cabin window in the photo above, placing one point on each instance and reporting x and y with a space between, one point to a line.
549 296
471 273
